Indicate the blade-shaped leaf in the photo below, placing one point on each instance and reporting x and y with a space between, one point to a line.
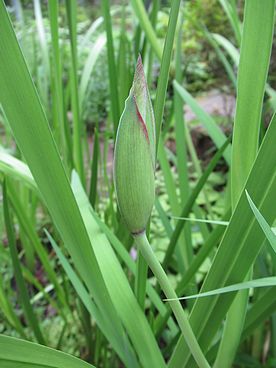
113 336
15 353
24 111
263 282
238 250
118 286
211 126
271 237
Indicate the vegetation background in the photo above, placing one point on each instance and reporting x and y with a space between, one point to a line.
71 277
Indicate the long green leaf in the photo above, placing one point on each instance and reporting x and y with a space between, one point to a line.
183 253
271 237
113 84
15 353
71 9
141 13
113 336
126 258
252 74
257 34
117 284
233 17
30 232
57 83
238 250
260 311
190 202
21 286
44 70
17 169
180 132
89 66
8 311
165 68
197 261
31 130
263 282
211 126
228 47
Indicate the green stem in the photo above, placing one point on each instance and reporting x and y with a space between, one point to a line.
148 254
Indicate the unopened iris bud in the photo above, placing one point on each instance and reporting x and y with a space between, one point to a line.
134 161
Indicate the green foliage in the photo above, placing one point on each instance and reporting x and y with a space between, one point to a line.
72 277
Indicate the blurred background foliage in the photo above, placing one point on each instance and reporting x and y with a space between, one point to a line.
204 76
201 66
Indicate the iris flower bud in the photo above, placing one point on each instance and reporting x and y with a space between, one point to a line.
134 158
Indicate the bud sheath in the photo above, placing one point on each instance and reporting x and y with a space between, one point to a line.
134 161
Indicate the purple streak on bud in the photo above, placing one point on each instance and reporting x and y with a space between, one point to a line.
141 120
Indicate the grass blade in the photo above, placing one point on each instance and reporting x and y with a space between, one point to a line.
144 21
165 68
180 133
118 286
8 312
237 252
16 353
57 87
89 66
271 237
213 130
263 282
21 286
71 10
113 83
31 130
126 258
18 170
94 170
30 232
190 202
113 335
232 14
257 34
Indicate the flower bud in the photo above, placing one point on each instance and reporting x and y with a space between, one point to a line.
134 158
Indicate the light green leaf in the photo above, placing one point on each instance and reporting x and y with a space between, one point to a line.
270 235
25 113
118 286
15 353
263 282
211 126
238 250
113 336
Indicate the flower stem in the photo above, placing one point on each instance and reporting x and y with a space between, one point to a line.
147 252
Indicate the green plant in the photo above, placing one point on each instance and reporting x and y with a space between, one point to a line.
99 273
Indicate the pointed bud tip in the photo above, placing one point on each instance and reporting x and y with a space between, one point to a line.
139 61
139 75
